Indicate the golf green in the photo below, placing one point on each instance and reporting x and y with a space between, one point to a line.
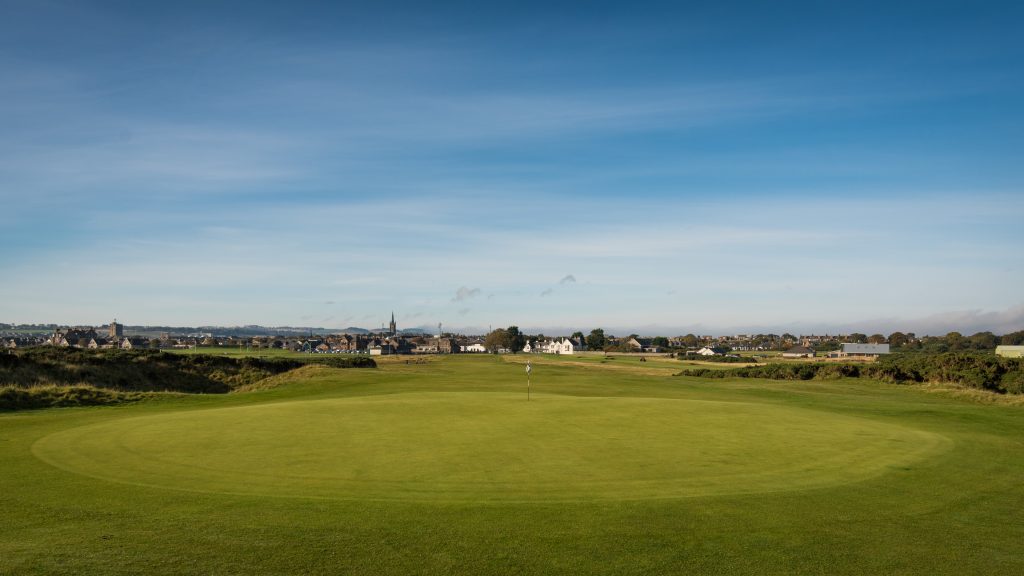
489 446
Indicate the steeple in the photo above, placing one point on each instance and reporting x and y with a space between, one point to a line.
392 329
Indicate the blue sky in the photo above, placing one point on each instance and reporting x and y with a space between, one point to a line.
662 168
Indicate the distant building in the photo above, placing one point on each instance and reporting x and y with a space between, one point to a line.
565 346
116 331
705 351
798 352
426 347
1010 351
382 349
447 345
850 350
348 342
134 343
77 337
97 343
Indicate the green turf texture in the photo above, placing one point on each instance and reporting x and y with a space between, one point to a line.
445 468
480 446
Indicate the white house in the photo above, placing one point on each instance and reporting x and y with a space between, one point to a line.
474 347
565 346
705 351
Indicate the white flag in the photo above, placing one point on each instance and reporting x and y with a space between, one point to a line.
528 368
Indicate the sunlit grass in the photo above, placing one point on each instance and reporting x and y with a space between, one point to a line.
443 467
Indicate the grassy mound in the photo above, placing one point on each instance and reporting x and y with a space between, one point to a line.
31 378
15 398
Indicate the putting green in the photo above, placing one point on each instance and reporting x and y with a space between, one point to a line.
477 446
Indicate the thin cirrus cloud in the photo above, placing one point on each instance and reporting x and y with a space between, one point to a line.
238 161
735 272
465 293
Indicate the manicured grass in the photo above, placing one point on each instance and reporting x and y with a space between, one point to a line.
488 446
443 467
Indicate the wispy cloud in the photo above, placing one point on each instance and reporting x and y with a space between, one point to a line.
370 169
465 293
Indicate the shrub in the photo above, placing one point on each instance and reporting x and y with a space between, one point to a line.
15 398
971 369
147 370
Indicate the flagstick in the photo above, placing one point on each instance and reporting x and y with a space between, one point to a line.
529 370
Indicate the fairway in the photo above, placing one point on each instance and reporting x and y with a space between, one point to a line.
475 447
443 467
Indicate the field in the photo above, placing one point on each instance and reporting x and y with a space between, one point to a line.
442 466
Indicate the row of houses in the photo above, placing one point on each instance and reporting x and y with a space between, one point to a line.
89 339
556 346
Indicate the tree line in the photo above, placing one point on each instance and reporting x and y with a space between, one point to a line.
514 340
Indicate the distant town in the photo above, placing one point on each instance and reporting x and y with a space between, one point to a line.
391 340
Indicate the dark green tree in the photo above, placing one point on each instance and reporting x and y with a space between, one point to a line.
597 339
1013 338
955 341
984 341
898 339
515 340
496 340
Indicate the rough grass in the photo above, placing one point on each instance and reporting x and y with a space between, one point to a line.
297 375
46 396
31 376
952 511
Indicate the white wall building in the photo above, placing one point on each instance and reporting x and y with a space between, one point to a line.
565 346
